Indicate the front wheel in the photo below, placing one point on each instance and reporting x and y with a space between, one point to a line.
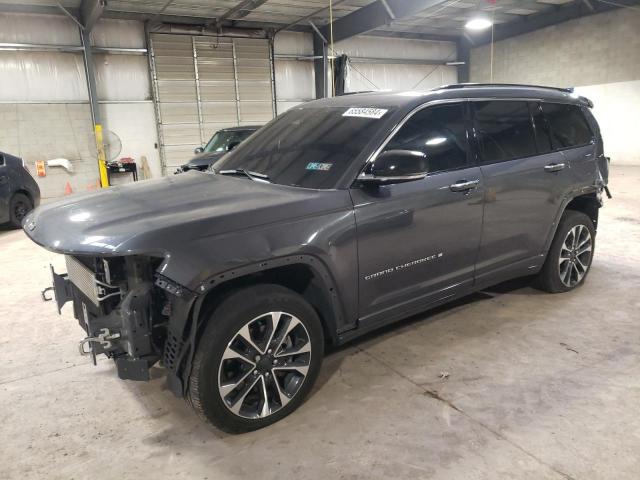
571 253
257 360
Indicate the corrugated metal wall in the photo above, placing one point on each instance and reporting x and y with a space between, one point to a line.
203 84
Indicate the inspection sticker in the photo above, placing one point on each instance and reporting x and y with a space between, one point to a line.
319 166
365 112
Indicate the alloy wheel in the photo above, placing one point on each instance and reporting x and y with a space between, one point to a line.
264 365
575 255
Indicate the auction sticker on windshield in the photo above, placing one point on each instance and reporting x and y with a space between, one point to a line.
365 112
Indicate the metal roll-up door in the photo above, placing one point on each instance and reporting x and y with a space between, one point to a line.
202 84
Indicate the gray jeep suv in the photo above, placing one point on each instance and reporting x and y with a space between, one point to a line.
338 217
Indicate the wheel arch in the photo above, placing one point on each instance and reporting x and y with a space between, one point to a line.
24 192
304 274
588 203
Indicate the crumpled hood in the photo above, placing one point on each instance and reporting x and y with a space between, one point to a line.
158 216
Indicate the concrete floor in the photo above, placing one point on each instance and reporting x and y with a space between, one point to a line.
539 386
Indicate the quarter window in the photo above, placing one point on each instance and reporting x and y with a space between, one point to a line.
504 130
568 126
440 133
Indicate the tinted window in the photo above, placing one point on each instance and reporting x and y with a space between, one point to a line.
543 131
306 147
568 126
439 133
504 130
226 140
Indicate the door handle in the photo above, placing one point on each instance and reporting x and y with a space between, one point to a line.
3 179
464 185
554 167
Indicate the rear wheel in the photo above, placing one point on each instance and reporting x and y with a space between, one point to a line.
257 360
569 258
19 206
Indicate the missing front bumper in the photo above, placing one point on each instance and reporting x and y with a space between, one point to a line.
123 333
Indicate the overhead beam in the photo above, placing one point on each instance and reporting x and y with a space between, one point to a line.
310 16
541 20
434 37
376 15
241 10
91 11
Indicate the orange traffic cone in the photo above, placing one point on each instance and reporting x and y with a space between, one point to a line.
67 189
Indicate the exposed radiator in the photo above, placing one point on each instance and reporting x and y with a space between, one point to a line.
83 278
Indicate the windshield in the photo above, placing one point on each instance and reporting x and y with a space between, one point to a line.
307 147
226 140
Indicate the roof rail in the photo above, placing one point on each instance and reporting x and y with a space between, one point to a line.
480 85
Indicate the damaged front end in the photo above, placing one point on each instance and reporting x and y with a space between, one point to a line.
125 307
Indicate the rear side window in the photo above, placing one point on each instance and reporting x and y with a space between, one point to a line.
440 133
504 130
543 129
568 125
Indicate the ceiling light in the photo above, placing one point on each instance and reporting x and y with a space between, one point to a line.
478 23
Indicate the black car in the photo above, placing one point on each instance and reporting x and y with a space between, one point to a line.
19 192
221 142
339 216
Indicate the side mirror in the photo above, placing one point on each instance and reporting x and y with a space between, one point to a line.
397 166
198 150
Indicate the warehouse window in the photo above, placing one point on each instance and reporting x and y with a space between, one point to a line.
438 132
568 126
504 130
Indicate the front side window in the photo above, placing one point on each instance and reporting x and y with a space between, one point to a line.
439 132
568 126
309 147
504 130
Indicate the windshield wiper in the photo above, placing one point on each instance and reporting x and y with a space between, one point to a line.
255 176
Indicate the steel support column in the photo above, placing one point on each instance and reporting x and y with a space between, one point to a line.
89 70
320 66
464 55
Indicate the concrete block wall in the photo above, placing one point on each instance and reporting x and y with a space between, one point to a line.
598 54
46 131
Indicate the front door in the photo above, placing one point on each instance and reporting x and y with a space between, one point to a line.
418 241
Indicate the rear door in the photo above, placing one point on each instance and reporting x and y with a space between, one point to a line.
571 134
524 182
417 241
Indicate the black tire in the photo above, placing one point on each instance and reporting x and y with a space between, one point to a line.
19 206
551 278
246 307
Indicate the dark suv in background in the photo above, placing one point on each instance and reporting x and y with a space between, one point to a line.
221 142
339 216
19 192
